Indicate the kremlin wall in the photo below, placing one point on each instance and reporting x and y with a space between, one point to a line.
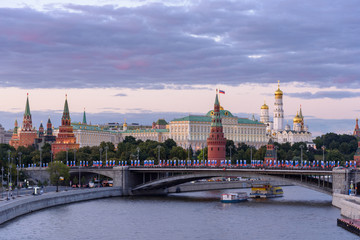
195 131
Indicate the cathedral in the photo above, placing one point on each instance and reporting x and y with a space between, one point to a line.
275 129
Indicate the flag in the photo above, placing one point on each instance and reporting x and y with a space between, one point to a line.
221 91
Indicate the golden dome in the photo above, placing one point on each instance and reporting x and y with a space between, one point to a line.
125 124
221 108
264 106
278 92
297 119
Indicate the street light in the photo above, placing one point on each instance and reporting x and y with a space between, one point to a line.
106 149
51 156
276 148
79 167
2 180
323 148
67 155
301 155
9 175
230 147
158 147
251 153
138 151
100 150
17 181
40 158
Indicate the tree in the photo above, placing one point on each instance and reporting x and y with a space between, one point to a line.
203 154
58 172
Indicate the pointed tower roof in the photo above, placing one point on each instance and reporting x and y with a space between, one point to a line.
216 100
27 107
49 121
84 117
66 113
41 125
16 127
300 113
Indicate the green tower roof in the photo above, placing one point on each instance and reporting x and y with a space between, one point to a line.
66 113
27 108
84 118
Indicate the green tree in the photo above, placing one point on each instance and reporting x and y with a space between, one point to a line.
203 154
58 172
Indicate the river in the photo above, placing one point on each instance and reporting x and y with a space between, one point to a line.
300 214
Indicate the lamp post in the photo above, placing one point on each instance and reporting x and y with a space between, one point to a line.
40 158
251 153
301 154
323 148
158 147
106 149
9 175
138 152
2 180
17 177
67 155
276 148
100 150
230 148
202 147
51 156
79 167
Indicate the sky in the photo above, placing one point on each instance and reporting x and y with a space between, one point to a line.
143 60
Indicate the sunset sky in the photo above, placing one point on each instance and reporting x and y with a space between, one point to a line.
144 60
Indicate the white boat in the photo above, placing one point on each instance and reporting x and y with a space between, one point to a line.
234 197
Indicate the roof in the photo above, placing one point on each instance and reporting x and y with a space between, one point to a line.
147 130
161 122
27 107
223 113
198 118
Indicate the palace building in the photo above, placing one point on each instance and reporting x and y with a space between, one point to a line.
275 129
90 135
65 139
24 136
193 130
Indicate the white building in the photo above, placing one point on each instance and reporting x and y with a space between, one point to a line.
299 132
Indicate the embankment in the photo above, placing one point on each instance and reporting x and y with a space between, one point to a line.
27 204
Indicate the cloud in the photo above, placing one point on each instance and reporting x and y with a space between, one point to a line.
325 94
150 45
120 95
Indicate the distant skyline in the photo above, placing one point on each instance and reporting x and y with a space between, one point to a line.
143 60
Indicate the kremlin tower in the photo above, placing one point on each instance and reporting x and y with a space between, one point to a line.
278 110
270 151
216 142
66 139
27 134
357 130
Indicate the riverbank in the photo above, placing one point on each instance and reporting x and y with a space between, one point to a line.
349 205
24 205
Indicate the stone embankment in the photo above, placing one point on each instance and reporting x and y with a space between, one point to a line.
27 204
349 205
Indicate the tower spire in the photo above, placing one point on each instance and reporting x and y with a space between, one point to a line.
84 117
27 107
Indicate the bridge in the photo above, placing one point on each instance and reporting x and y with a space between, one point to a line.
142 180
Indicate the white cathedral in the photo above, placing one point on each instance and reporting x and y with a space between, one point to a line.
275 129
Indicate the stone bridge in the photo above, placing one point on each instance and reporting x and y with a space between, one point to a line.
156 180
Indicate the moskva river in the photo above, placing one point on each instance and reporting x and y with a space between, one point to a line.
300 214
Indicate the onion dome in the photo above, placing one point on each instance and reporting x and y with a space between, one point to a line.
297 118
264 106
278 92
125 124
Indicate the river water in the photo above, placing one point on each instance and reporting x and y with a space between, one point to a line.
300 214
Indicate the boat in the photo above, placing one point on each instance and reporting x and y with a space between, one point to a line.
234 197
266 191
